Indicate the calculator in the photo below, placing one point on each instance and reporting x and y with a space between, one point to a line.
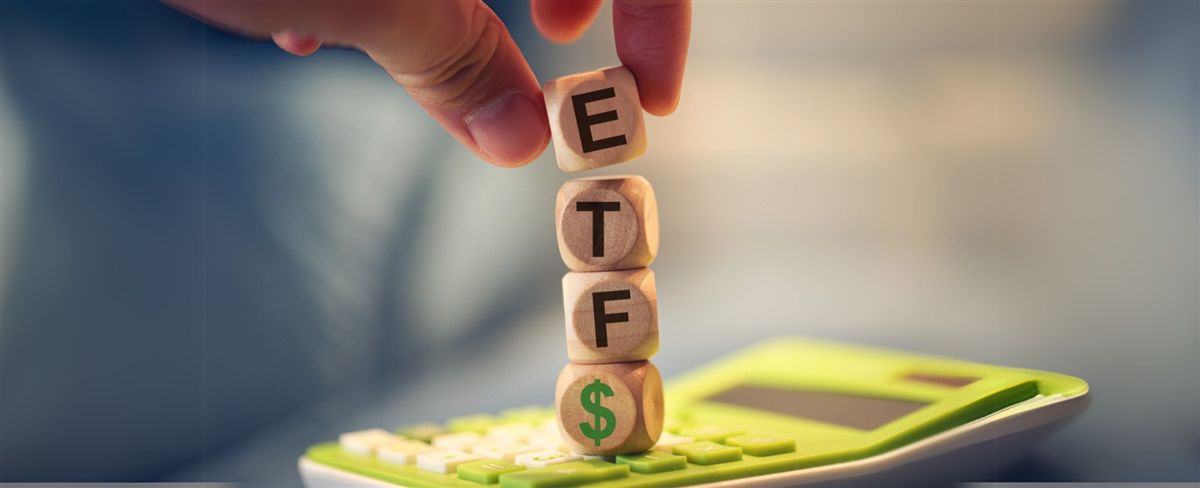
786 412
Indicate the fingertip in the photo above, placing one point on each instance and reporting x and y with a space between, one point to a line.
296 44
564 21
510 131
558 33
485 96
652 41
662 105
516 161
529 159
660 84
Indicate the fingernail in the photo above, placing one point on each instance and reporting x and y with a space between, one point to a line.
511 130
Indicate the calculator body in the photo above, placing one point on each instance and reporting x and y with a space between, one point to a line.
832 413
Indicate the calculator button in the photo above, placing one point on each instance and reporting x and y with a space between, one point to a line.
563 475
444 462
420 432
546 457
667 441
709 433
471 423
651 462
487 471
507 451
365 441
707 452
460 441
756 445
403 452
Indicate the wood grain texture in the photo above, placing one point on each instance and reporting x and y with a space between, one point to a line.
607 223
595 119
636 404
626 305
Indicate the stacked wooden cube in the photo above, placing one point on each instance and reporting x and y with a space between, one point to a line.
609 399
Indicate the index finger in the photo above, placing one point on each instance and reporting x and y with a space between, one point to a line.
652 41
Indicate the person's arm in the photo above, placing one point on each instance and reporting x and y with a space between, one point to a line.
458 60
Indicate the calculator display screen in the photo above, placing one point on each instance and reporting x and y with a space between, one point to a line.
854 411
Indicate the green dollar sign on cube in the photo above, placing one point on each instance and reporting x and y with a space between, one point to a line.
590 399
609 409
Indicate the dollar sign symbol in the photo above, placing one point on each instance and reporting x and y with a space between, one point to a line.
590 399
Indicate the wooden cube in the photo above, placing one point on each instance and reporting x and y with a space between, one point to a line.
612 316
609 409
607 223
595 119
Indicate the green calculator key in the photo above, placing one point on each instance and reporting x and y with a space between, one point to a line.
487 471
566 474
651 462
705 453
762 445
789 412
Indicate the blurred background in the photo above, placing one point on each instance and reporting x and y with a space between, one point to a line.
214 254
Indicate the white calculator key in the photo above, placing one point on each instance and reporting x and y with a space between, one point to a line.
444 462
511 431
668 441
404 452
461 441
364 441
507 451
541 459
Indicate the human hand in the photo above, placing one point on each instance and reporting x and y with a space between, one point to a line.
459 62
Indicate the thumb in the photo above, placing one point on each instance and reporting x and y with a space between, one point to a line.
455 57
481 90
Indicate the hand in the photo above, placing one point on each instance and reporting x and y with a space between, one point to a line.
459 62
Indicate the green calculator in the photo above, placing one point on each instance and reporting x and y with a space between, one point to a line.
786 412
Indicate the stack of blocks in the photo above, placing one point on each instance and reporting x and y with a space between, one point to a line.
609 399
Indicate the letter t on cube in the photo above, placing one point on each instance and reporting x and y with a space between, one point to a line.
595 119
607 223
